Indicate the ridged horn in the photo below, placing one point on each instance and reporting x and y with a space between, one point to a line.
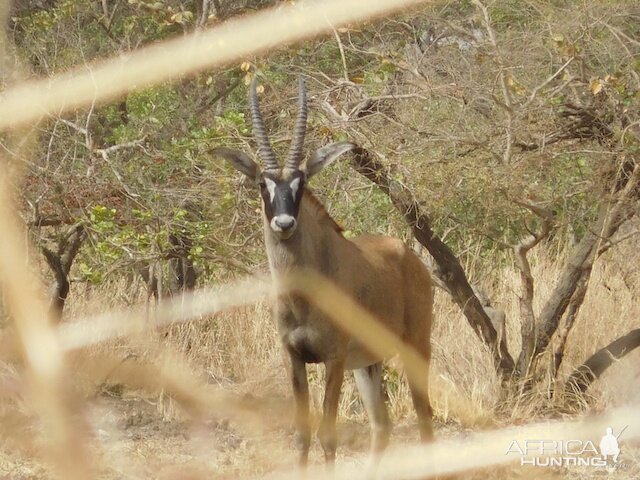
300 128
265 152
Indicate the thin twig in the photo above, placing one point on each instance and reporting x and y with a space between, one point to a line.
78 128
613 243
342 56
121 146
506 92
537 89
105 152
617 32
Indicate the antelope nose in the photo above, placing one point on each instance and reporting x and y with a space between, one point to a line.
285 222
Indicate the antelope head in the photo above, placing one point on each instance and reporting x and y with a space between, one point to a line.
281 189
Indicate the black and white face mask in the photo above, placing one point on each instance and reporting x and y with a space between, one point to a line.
281 199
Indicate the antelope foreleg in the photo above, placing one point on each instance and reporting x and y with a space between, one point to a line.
327 432
300 384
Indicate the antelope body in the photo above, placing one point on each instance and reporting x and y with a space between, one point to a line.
380 272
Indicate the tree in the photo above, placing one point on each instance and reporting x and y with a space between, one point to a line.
584 104
493 128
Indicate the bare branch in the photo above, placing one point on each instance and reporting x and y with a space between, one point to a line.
619 33
332 113
112 16
345 72
506 91
221 95
204 14
583 376
121 146
105 8
105 152
609 243
537 89
49 221
81 130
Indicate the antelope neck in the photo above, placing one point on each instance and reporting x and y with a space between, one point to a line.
310 245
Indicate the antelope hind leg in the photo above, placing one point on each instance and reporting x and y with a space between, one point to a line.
420 397
369 382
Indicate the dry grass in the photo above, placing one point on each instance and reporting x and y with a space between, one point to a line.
148 432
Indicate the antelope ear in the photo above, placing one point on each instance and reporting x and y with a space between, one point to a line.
240 161
326 155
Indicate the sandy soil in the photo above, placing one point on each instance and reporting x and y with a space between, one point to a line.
135 441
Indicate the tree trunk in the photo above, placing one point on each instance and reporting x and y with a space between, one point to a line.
572 314
527 316
579 259
183 273
148 275
60 263
611 215
448 269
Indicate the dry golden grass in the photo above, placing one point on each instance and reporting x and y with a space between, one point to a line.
145 427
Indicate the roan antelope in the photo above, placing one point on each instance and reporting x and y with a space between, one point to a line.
381 273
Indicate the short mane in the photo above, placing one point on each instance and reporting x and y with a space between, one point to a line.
320 211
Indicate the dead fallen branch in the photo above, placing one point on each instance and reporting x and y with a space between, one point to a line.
583 376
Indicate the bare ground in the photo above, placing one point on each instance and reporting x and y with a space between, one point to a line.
143 434
134 439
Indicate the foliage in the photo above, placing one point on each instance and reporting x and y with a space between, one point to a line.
437 111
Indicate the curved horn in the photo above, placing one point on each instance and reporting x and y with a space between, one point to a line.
300 128
265 152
